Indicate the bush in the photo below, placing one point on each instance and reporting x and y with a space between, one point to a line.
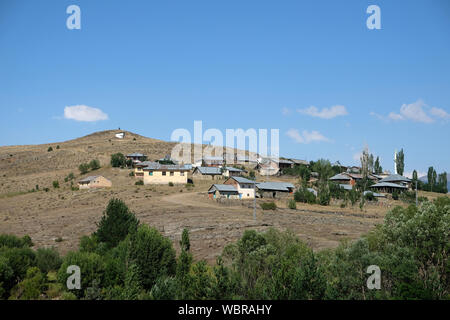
48 259
118 160
92 267
268 205
57 147
49 149
370 197
139 183
68 296
55 184
324 197
170 184
46 189
94 164
292 204
131 174
31 287
153 254
117 221
395 195
304 195
84 168
12 241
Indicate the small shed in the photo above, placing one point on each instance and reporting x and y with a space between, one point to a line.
94 182
223 191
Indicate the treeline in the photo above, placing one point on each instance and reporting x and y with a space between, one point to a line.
436 182
124 259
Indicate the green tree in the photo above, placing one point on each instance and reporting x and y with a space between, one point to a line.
400 162
118 160
117 221
377 167
132 287
31 287
48 259
153 254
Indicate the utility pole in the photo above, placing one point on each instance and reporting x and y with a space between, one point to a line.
254 201
416 195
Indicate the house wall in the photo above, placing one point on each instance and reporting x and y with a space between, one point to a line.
246 191
157 177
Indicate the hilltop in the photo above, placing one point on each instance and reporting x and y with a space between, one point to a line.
24 167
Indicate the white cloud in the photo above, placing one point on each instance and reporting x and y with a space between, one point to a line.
306 136
417 111
440 113
325 113
357 156
84 113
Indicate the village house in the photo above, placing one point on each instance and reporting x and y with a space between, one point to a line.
136 157
267 167
350 178
213 161
245 160
298 162
157 173
274 189
232 172
207 173
138 168
285 164
394 182
223 191
245 187
94 182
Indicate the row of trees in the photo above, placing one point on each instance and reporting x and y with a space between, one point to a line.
126 260
92 165
436 182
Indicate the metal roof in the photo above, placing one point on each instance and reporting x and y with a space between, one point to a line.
168 167
340 176
388 185
242 180
223 188
144 163
234 169
394 178
209 170
89 179
135 154
275 186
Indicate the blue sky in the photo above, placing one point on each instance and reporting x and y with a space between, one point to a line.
311 69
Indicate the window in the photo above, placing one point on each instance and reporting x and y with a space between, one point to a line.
150 173
164 173
182 173
171 173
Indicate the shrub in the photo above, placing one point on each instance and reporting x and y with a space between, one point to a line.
139 183
31 287
47 259
46 189
12 241
94 164
92 268
118 160
370 197
116 222
57 147
304 195
268 205
131 174
55 184
170 184
36 187
153 254
395 195
19 260
292 204
68 296
49 149
84 168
